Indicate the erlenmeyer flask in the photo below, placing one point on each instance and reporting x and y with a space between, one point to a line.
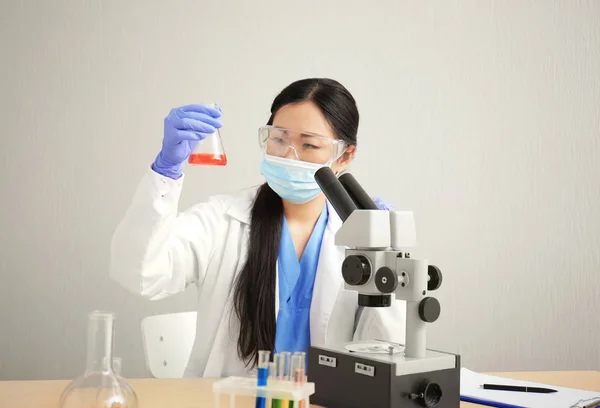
99 387
209 151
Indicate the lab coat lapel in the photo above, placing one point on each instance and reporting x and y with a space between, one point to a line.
328 280
218 361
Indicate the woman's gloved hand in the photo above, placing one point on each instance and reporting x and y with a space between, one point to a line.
184 128
379 202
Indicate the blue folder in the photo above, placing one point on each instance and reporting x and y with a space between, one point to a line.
488 403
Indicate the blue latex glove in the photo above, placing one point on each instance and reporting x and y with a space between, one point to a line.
379 202
184 128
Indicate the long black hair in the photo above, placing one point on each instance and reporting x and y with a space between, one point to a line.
254 296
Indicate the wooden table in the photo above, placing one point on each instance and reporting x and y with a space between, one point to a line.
197 393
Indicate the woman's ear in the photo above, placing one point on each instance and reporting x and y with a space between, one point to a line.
345 159
348 155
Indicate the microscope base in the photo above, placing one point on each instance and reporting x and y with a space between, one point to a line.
345 379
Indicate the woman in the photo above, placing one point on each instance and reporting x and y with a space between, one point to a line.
264 262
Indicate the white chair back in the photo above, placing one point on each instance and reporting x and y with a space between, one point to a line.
168 340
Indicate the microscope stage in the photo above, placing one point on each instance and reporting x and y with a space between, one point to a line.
433 360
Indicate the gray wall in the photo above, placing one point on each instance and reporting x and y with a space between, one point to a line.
481 116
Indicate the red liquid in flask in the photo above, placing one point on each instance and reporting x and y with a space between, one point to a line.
207 159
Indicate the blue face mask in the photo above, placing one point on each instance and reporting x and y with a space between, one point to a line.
292 180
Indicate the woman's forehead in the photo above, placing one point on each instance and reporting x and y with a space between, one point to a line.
303 117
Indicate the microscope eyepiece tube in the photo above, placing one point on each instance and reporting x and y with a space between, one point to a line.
360 197
335 192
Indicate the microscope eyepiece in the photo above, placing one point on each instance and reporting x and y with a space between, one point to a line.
360 197
335 192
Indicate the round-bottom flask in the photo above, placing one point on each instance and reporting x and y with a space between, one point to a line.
99 386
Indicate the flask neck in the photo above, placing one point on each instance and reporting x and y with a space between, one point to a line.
100 342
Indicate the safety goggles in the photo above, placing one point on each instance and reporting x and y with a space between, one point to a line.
303 146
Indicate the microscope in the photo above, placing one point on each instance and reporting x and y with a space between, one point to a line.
377 266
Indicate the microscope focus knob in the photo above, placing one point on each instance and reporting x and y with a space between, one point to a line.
386 280
356 270
435 277
429 309
429 394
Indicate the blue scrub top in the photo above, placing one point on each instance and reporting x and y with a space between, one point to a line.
296 282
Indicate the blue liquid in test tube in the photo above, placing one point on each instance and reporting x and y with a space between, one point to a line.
263 375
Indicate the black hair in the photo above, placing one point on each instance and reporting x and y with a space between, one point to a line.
254 296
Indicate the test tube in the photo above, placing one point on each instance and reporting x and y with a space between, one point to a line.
283 371
296 374
263 375
298 365
278 367
301 373
286 360
272 371
302 356
273 375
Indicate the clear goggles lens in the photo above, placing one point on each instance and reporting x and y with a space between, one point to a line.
306 147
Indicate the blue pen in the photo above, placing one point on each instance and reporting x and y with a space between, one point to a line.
263 376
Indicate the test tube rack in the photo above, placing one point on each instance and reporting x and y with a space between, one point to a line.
275 389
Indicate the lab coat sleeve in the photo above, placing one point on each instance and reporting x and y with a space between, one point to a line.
156 251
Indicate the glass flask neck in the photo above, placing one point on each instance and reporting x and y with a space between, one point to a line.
117 366
100 341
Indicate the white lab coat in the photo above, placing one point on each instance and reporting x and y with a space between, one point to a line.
157 252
